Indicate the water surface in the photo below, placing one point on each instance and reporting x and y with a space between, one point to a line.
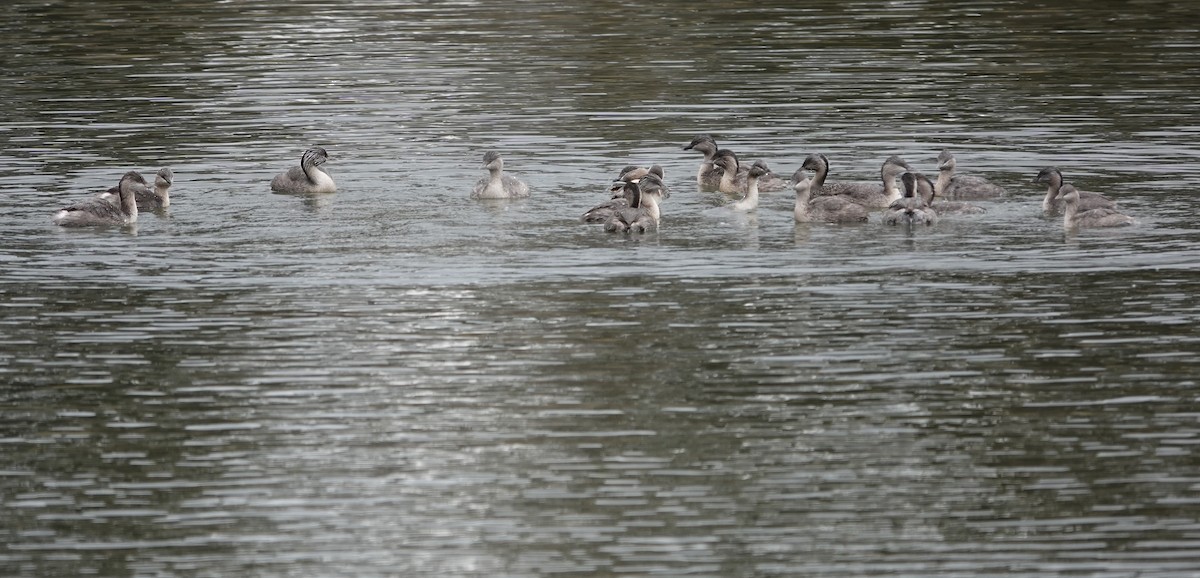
398 380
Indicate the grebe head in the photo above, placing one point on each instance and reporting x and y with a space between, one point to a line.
1049 176
758 169
165 178
492 161
1069 194
894 166
626 170
815 162
651 185
801 182
726 161
312 157
702 143
945 160
130 179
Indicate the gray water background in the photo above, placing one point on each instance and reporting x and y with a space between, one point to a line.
396 380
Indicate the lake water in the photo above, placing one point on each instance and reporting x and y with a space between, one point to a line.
395 380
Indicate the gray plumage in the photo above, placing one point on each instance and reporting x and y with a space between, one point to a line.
635 173
651 190
928 191
757 172
160 198
910 209
871 195
1074 217
708 176
1052 203
634 218
98 211
307 178
957 187
498 185
823 208
735 177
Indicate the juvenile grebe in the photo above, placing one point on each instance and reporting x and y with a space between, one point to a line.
950 186
735 177
652 192
928 191
1075 217
823 208
97 211
634 218
1052 203
870 195
911 208
750 201
635 173
708 176
309 177
498 185
157 200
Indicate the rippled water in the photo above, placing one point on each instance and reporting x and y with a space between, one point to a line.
396 380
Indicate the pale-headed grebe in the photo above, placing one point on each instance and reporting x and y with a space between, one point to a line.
952 187
911 208
309 177
498 185
1053 204
1075 217
100 212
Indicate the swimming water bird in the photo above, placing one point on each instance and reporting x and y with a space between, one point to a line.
498 185
911 208
635 173
711 176
823 208
951 187
928 191
98 211
870 195
636 216
727 162
735 177
1074 217
750 201
652 192
158 199
1053 203
307 178
708 176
